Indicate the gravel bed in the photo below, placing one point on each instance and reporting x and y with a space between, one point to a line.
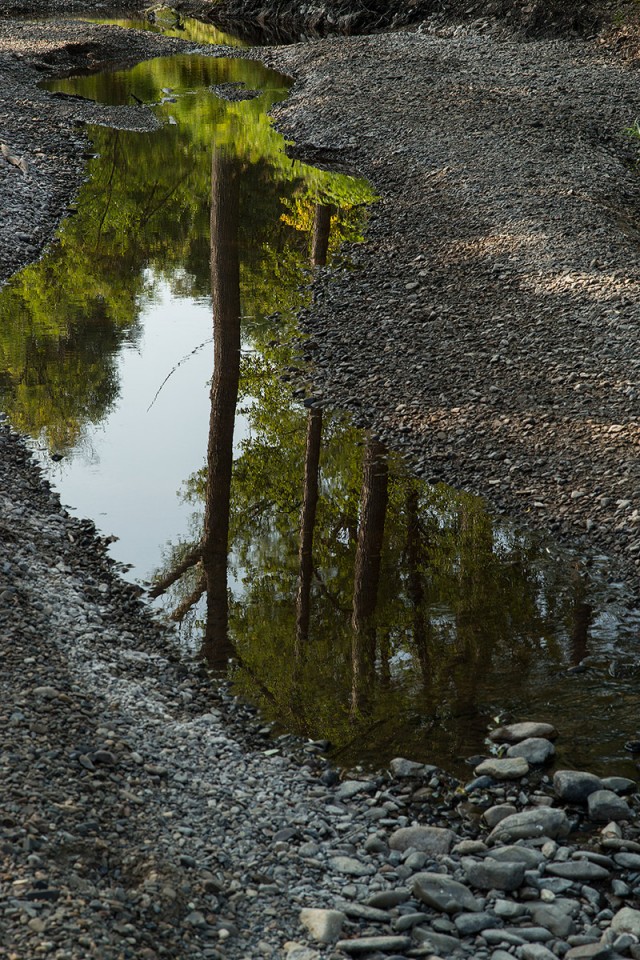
488 326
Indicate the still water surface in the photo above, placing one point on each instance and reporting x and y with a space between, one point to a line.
153 357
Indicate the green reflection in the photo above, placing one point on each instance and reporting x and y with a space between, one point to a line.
143 218
171 23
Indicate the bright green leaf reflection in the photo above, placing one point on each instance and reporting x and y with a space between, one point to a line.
143 217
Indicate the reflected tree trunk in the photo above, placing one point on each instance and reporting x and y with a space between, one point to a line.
582 619
415 585
225 296
319 249
373 510
307 524
320 235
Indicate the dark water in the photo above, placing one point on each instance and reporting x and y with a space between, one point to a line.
154 358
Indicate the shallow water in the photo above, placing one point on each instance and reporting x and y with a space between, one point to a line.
154 358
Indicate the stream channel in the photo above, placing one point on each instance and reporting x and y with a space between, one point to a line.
153 357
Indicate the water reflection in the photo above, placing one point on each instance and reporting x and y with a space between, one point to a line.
354 602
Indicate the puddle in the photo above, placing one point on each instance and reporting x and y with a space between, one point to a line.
152 356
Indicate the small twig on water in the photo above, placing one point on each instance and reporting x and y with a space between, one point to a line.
179 364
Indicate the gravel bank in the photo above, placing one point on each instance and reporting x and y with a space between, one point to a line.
488 327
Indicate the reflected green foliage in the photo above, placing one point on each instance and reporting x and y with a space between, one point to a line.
143 218
468 612
170 23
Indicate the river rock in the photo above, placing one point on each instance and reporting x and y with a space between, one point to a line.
371 944
578 870
435 841
618 784
607 805
535 750
536 951
590 951
495 814
575 786
556 917
491 874
351 788
324 926
503 768
626 920
540 822
517 854
442 893
441 943
351 866
470 924
402 768
516 732
628 861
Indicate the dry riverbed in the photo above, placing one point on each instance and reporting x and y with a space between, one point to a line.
489 329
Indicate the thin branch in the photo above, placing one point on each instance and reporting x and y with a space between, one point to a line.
190 560
179 364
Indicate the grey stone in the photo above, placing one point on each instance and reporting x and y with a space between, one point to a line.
626 920
535 750
516 732
607 805
441 943
435 841
401 768
351 866
578 870
574 786
375 844
297 951
495 814
469 924
629 861
351 788
533 934
325 926
540 822
536 951
500 935
364 912
442 893
508 909
618 784
409 920
516 853
556 916
503 768
589 951
489 874
46 693
371 944
387 899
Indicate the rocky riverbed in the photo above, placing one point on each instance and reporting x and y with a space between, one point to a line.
489 330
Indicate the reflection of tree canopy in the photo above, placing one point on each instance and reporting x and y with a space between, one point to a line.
467 610
142 218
